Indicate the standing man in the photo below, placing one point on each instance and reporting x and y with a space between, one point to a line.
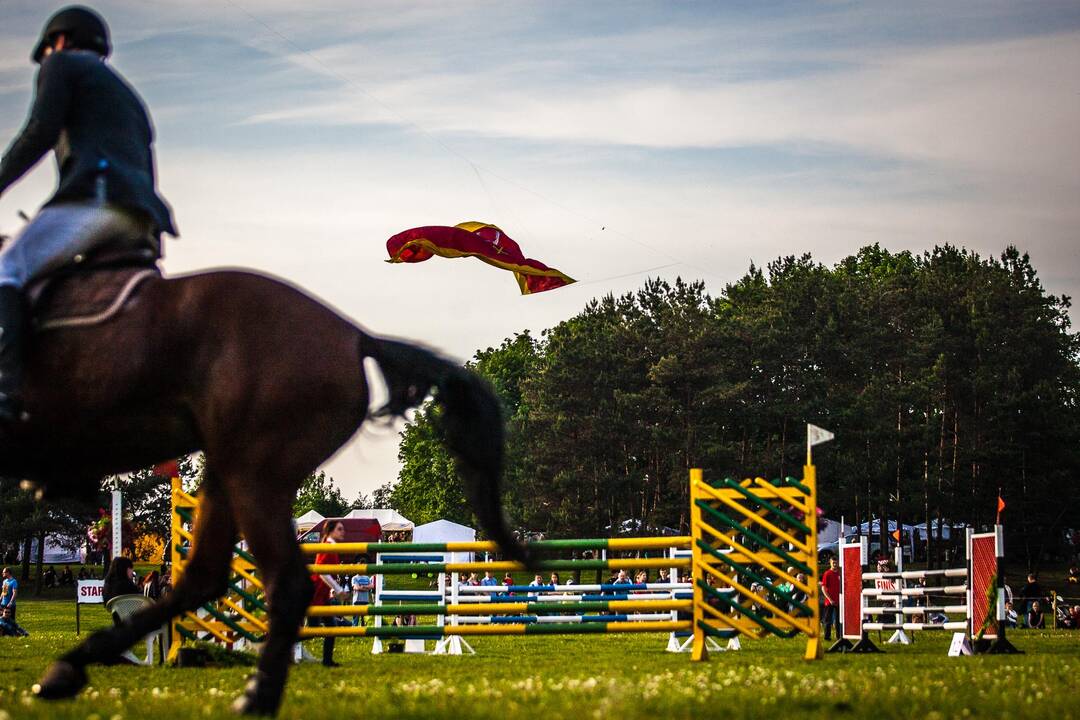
8 592
99 131
830 594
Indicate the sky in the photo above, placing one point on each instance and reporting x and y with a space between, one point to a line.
615 141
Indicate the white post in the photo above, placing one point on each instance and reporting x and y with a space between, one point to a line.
117 525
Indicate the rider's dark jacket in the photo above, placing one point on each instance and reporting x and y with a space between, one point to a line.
99 128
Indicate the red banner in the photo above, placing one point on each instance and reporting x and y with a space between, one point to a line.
479 240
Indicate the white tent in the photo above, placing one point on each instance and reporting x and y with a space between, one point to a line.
830 532
56 551
444 531
390 520
308 520
942 529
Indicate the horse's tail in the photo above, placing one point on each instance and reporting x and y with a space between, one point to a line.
470 422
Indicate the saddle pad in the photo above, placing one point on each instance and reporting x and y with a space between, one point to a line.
87 298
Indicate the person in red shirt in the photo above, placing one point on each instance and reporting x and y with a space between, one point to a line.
830 593
327 588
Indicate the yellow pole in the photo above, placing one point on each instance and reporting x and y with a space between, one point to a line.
698 650
814 648
175 560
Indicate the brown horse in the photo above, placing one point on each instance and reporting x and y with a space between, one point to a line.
268 383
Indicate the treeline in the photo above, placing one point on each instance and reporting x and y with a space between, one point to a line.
947 378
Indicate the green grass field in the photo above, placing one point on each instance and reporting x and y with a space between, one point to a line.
627 676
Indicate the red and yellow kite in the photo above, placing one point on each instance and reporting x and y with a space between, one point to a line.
479 240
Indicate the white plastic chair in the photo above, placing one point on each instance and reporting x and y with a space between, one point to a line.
122 607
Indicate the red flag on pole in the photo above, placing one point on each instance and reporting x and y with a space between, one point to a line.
896 534
1000 507
479 240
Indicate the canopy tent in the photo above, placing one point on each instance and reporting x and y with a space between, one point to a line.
942 529
872 529
58 550
830 532
390 520
444 531
308 520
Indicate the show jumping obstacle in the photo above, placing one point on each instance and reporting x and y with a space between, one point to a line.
916 600
745 537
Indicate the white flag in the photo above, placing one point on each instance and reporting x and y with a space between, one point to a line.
816 435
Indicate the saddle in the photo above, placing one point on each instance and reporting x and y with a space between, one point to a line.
93 287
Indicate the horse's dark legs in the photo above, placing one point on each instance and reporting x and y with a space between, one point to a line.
266 525
205 578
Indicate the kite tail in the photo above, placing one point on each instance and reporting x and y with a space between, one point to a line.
468 418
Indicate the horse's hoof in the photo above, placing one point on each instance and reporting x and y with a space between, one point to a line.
259 697
61 680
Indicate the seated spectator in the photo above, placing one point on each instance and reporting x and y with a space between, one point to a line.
8 626
120 580
1035 616
1011 617
1074 617
66 578
83 575
49 576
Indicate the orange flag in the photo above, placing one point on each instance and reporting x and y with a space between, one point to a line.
1001 506
896 534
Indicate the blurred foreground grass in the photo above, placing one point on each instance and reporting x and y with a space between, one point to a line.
613 676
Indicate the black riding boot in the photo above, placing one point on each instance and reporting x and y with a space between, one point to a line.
12 333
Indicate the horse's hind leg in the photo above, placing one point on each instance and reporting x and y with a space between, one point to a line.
265 520
205 578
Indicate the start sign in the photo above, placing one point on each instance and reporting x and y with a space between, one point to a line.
90 591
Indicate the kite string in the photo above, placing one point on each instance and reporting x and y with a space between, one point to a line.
477 169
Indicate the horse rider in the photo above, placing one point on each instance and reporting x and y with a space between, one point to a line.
100 132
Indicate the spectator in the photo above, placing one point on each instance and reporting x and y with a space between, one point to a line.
1074 616
642 577
662 576
830 595
49 577
1031 592
120 579
326 588
537 581
797 594
621 579
8 626
1035 616
489 580
151 586
508 580
361 586
1073 578
9 591
555 579
1011 618
66 578
83 575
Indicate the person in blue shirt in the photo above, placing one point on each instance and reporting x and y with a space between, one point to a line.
8 626
489 580
9 590
361 593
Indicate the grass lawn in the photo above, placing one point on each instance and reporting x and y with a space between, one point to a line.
614 676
